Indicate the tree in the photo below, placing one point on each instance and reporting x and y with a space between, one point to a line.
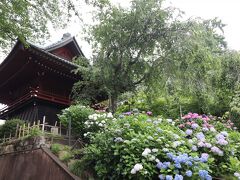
147 44
29 18
125 42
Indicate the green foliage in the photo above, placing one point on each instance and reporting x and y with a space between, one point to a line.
10 127
122 144
30 19
56 148
150 45
89 90
65 156
78 115
235 108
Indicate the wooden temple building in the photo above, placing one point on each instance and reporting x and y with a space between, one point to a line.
37 82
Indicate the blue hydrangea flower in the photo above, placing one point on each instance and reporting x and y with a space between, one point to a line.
204 157
204 174
159 165
169 177
167 164
178 177
189 173
161 177
178 165
170 155
208 177
189 163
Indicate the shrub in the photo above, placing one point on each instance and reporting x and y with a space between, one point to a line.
65 156
10 127
56 148
78 115
137 146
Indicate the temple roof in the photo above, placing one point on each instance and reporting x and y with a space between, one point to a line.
27 63
66 41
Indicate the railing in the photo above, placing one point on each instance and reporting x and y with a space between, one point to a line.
27 130
38 94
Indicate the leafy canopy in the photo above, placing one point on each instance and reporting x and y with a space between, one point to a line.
30 18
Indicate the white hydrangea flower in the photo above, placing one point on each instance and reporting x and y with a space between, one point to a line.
152 158
133 171
212 129
146 152
109 115
138 167
154 150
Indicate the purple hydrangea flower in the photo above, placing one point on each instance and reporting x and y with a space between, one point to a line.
194 148
217 151
220 136
200 136
189 132
204 157
194 125
222 142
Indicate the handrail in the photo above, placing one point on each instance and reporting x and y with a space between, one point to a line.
39 94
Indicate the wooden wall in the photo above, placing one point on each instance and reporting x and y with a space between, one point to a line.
38 164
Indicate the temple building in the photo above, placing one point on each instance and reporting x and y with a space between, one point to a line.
37 82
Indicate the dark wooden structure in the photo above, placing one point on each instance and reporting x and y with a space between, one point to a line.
37 82
35 164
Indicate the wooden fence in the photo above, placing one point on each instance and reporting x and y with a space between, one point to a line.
29 129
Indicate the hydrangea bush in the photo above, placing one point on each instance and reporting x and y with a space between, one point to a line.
139 146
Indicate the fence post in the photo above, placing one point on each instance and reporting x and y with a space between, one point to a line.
28 129
69 131
23 129
55 123
19 133
60 130
16 133
43 124
38 124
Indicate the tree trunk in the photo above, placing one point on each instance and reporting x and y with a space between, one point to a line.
113 103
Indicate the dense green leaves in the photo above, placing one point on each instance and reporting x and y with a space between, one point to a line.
30 18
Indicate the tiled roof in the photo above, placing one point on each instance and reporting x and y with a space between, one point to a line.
53 55
66 39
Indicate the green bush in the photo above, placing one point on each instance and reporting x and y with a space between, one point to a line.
65 156
56 148
78 115
235 109
138 146
10 127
